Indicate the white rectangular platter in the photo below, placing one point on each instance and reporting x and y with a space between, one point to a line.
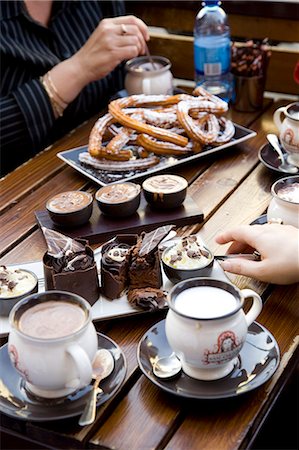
103 308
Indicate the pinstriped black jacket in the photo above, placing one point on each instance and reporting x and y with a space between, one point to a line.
28 50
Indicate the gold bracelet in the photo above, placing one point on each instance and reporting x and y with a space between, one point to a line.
53 88
57 108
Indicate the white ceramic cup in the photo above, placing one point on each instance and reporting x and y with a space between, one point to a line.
52 366
142 78
206 326
280 207
289 130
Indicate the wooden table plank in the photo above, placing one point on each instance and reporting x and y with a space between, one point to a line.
20 220
45 165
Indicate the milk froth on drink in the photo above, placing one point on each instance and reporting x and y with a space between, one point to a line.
52 320
205 302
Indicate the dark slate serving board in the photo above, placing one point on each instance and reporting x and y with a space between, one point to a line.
101 227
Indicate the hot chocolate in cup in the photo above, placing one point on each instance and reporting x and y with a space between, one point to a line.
289 130
52 343
284 206
206 326
149 76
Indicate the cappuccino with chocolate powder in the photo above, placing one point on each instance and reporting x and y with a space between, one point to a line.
165 184
118 193
69 201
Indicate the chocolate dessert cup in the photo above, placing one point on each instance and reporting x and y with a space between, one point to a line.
119 200
165 191
115 265
70 209
83 281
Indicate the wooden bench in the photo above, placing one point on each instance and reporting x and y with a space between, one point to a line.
279 21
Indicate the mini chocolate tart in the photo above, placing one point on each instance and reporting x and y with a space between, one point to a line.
71 208
15 284
187 259
165 191
119 200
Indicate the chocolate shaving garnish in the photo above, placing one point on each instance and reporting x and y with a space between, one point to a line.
60 245
11 285
151 240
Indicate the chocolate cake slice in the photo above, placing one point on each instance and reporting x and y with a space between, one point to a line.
144 268
115 265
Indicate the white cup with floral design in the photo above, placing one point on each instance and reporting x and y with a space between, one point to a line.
52 343
206 326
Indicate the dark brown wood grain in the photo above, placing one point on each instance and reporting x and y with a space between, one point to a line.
231 188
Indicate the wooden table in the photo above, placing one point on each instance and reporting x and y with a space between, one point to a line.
231 188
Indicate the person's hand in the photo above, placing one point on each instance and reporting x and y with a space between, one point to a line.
278 246
113 41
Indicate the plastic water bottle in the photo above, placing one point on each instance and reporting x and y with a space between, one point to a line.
212 50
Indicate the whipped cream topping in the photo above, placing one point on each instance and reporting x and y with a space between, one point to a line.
15 282
117 254
188 253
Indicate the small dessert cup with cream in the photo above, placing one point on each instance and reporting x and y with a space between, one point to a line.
71 208
15 284
119 200
187 258
165 191
284 206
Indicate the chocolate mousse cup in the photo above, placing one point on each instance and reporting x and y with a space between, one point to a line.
70 209
119 200
83 282
165 191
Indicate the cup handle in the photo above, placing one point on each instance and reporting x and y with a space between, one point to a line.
256 307
276 117
83 365
146 86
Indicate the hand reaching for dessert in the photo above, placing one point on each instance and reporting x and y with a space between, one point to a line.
278 246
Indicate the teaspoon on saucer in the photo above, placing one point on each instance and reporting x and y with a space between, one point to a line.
102 367
284 166
167 366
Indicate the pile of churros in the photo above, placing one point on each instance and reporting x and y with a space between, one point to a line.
155 125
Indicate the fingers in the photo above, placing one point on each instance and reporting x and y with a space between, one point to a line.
243 267
245 234
130 36
239 247
135 21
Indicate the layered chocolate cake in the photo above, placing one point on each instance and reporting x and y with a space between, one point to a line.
115 265
144 267
69 265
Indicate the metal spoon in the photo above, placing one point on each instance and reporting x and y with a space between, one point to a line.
284 166
167 366
102 367
255 256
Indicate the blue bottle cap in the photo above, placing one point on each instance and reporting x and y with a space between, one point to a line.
211 3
